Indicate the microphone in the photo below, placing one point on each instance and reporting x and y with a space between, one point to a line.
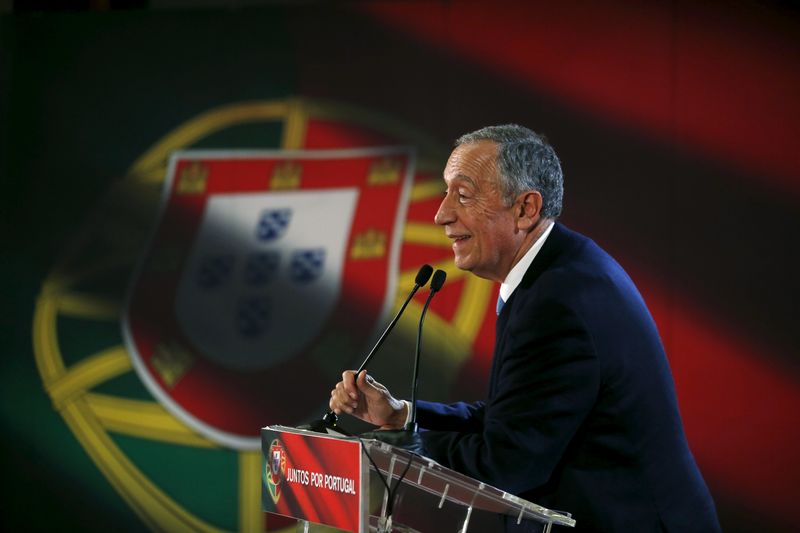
420 280
436 284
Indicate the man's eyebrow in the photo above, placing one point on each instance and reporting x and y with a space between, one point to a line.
464 178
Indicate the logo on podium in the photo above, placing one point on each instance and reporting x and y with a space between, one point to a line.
275 470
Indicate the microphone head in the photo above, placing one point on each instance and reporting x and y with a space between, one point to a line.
424 275
438 280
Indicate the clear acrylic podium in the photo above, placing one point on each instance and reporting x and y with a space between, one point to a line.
322 477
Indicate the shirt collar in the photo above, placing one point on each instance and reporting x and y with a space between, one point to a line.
514 277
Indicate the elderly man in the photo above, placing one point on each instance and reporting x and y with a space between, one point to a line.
581 413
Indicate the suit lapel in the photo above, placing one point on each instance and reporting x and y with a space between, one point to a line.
553 246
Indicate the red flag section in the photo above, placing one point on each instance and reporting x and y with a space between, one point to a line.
724 81
719 83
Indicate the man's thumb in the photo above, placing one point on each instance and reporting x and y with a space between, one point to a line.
366 384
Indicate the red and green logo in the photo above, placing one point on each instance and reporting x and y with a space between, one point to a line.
275 469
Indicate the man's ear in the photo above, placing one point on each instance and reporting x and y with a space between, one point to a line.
529 209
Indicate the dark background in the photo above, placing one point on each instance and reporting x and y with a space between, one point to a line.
677 124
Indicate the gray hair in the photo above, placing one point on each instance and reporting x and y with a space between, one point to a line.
525 162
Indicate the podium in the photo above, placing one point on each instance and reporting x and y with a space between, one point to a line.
364 485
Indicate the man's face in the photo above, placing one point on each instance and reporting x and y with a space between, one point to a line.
486 240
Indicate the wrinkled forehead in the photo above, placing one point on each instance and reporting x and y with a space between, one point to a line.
473 162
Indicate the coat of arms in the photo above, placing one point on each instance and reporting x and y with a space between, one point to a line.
264 265
275 469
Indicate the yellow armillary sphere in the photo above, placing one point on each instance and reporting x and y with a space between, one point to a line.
96 390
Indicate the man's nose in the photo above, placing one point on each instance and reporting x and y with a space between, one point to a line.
445 214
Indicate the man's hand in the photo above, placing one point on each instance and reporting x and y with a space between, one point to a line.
363 397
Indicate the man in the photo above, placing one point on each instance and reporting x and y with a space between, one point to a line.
581 414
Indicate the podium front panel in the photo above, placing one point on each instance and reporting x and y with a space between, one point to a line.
314 478
340 481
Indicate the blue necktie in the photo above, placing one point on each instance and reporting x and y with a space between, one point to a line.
500 304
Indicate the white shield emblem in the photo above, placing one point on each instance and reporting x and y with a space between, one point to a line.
264 274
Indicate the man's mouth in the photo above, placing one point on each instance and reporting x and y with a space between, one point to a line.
459 238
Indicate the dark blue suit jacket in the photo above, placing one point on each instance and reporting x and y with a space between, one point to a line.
581 414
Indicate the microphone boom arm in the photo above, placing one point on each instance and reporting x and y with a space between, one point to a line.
424 274
436 285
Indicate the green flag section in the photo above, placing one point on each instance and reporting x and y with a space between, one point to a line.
85 446
170 475
111 452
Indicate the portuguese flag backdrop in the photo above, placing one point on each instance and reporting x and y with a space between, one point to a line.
677 123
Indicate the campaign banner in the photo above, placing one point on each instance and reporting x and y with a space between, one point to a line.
313 477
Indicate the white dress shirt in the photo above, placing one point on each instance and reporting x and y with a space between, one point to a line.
514 278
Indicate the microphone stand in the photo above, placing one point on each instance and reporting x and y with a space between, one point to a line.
328 422
436 285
